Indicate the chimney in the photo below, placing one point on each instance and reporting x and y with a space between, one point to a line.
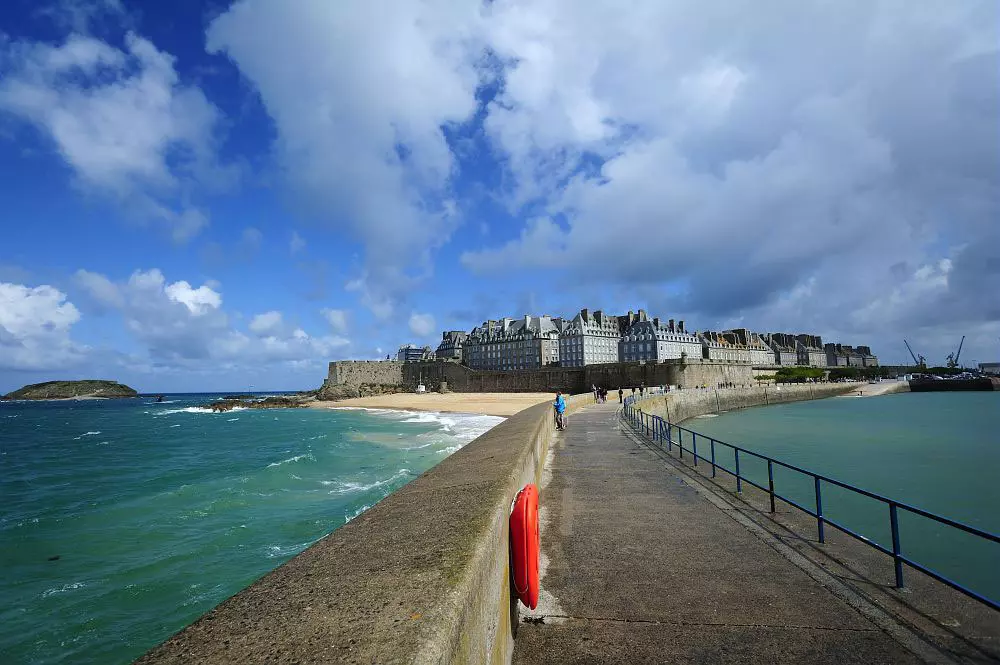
680 326
585 314
656 322
670 325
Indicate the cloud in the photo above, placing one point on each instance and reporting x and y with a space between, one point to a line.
296 244
422 325
360 97
734 172
123 121
337 319
266 324
101 290
182 326
81 16
35 328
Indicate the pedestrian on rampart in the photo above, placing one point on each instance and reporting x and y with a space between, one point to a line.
621 395
560 410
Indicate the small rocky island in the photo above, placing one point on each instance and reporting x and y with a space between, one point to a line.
85 389
231 402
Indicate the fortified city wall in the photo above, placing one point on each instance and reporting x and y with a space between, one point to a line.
460 378
678 406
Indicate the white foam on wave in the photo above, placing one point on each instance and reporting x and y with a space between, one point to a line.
194 409
348 518
77 438
63 589
177 425
351 487
708 415
232 420
292 459
275 551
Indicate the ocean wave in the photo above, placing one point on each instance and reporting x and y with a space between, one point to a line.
275 551
194 409
232 420
449 450
348 518
292 459
76 438
351 487
64 589
177 425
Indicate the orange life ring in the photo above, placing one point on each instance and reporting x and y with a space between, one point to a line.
524 545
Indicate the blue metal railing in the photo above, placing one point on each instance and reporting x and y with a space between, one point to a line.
662 432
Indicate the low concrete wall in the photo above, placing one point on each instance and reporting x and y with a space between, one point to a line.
422 577
680 405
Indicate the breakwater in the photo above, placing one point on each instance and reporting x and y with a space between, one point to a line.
421 577
679 405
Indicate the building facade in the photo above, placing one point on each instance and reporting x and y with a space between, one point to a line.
718 347
784 347
452 343
757 351
868 359
836 356
512 344
810 350
656 341
409 353
591 338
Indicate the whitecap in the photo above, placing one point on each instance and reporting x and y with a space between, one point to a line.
351 487
275 551
68 587
348 518
232 420
292 459
76 438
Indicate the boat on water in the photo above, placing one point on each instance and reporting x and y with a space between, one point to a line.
923 383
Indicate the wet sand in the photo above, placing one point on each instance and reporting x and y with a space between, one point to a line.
490 404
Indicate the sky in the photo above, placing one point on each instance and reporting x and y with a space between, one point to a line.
204 195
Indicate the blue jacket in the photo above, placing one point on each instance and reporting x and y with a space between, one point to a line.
560 404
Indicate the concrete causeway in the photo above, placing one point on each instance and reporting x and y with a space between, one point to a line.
643 568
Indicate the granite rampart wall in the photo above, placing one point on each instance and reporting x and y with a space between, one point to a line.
460 378
678 406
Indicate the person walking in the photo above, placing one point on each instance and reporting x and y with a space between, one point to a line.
621 395
560 410
593 389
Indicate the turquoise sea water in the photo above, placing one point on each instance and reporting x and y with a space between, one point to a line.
936 451
158 512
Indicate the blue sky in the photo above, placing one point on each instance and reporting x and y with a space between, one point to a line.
202 195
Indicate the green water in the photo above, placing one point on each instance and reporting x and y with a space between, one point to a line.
122 521
936 451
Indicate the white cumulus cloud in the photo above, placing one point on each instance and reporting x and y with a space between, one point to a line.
35 327
422 325
337 318
122 120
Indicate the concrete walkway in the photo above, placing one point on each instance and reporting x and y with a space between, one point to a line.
644 569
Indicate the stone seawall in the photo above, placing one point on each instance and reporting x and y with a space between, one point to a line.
421 577
459 378
678 406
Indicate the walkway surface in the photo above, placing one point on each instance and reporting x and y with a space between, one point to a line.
644 569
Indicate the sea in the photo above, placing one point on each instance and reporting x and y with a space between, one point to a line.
936 451
122 521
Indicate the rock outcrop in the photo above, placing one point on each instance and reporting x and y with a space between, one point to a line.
70 389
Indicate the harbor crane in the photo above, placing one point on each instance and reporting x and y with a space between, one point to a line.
919 361
953 357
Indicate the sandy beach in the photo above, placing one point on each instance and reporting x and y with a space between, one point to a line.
490 404
876 389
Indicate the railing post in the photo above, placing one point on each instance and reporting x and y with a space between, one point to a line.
670 437
739 479
680 441
894 521
694 447
819 511
711 443
770 482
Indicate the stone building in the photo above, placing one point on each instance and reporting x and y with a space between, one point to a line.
592 338
810 350
511 344
409 353
720 347
757 351
868 359
784 347
656 341
451 345
836 355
